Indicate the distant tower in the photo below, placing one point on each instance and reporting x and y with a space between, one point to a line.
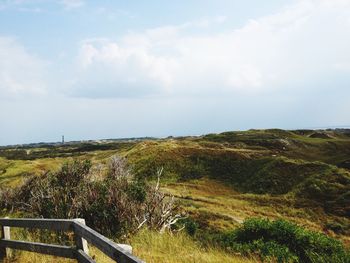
62 139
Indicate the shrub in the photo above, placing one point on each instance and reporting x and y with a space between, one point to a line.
137 191
284 242
188 224
114 204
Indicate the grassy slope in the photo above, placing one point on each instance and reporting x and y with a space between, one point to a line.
333 147
217 207
13 172
222 179
254 169
179 248
153 248
269 173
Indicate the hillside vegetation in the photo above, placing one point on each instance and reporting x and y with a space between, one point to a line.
220 180
260 162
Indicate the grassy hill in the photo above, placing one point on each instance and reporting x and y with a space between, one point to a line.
222 179
270 162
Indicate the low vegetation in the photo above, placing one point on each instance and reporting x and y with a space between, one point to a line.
283 241
296 182
153 247
112 202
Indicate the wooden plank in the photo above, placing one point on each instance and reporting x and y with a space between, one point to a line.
2 249
126 247
82 232
5 234
53 250
108 247
82 257
80 242
51 224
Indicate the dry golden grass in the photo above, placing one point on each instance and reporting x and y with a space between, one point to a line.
17 170
223 208
29 257
167 248
13 172
151 247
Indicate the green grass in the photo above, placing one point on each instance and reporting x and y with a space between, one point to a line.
13 172
178 248
150 246
247 170
222 179
283 241
217 207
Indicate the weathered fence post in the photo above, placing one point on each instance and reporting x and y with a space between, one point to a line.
126 247
2 249
80 242
5 234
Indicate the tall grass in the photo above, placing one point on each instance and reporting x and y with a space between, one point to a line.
177 248
151 247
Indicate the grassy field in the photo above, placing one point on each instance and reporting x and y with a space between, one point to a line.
219 180
216 206
151 247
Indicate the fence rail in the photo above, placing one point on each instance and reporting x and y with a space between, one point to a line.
82 233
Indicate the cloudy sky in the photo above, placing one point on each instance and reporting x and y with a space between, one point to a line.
110 69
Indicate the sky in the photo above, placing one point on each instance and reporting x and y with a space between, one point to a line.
114 69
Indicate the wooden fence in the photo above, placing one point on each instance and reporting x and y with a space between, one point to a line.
82 235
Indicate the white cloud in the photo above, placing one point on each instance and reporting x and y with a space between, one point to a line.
108 69
301 43
72 4
21 74
31 10
22 5
113 14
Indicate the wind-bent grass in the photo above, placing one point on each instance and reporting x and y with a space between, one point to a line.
178 248
220 207
151 247
212 203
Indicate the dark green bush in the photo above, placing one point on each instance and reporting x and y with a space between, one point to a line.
284 242
114 204
191 227
137 191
